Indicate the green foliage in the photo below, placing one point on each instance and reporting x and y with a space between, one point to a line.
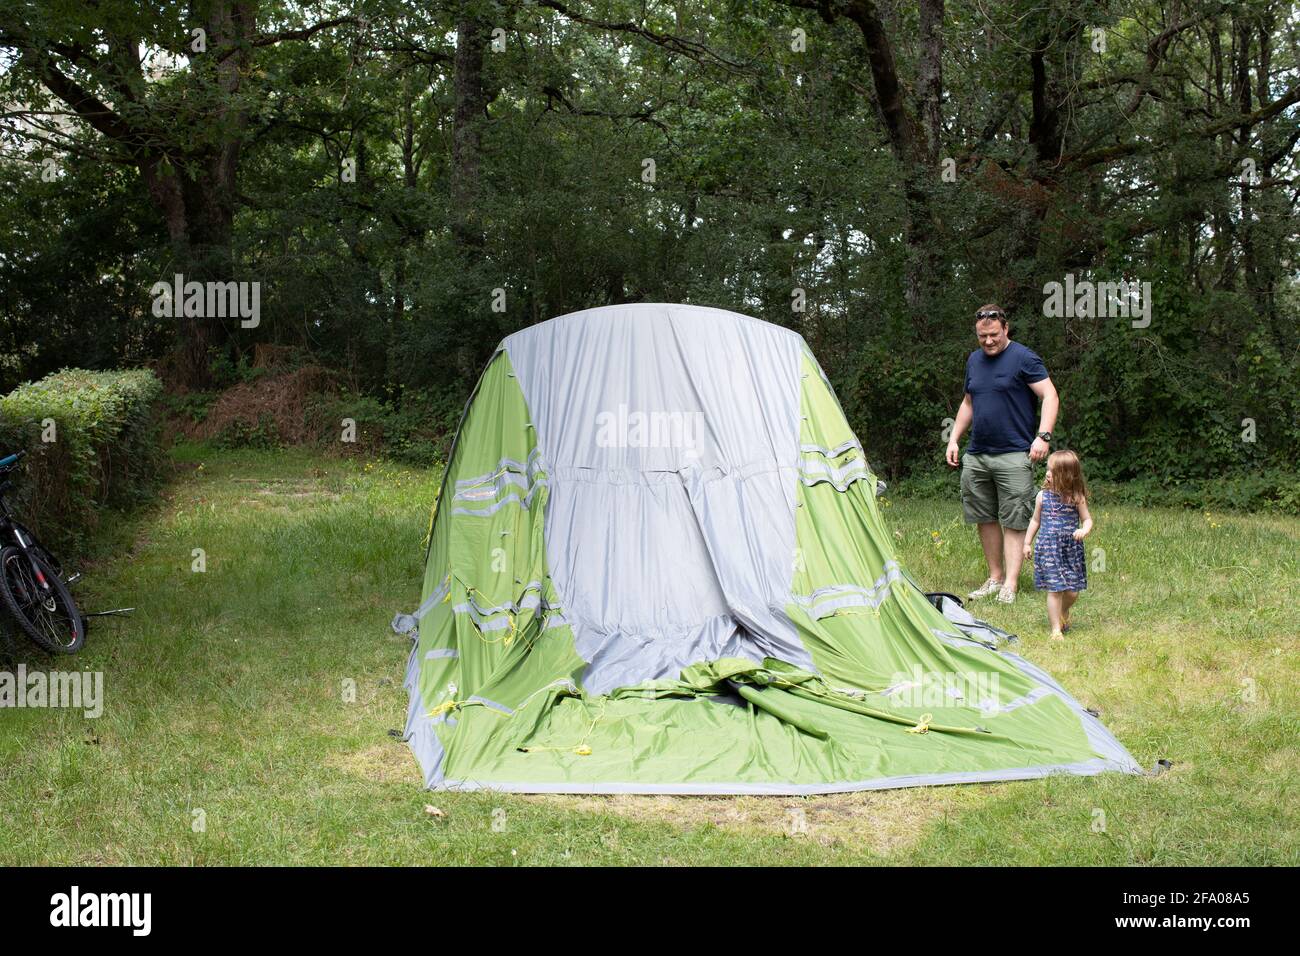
930 484
773 172
92 442
1270 490
227 371
81 252
1275 490
418 431
897 402
193 406
242 434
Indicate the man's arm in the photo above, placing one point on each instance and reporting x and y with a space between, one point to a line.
1045 390
959 426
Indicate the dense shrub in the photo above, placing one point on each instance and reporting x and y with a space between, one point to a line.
1271 489
417 432
189 407
242 434
92 439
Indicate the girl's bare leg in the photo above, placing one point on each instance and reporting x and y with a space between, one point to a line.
1067 601
1054 613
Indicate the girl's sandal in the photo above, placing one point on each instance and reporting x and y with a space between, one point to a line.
1065 624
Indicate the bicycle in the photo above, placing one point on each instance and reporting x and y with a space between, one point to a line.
32 587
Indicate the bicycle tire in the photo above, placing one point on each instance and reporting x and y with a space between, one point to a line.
38 620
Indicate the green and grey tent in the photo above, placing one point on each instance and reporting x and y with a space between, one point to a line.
658 565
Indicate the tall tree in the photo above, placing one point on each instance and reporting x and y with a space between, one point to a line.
167 96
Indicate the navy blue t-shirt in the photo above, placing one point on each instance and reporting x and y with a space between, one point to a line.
1006 409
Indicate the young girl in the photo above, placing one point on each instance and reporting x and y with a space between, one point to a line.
1061 521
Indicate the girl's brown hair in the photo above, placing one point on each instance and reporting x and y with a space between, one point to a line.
1066 473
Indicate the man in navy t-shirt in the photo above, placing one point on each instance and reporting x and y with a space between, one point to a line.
1004 381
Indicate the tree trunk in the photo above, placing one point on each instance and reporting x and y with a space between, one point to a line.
471 102
914 142
1217 104
198 213
466 147
1241 32
1053 73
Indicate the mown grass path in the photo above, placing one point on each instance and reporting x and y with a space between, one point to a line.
227 736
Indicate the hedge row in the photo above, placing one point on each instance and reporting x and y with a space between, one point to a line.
92 442
1263 490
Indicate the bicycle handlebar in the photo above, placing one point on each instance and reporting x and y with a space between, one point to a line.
9 460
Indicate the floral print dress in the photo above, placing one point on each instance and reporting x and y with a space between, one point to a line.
1059 562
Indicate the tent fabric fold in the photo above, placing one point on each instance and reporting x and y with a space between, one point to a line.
658 565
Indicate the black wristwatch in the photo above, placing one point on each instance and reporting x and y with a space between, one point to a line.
1045 436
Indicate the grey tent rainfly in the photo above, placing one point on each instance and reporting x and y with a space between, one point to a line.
658 565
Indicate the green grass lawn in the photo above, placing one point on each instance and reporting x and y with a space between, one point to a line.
225 705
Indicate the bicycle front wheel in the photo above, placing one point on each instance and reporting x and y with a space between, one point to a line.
48 615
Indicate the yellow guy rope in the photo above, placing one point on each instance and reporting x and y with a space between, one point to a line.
582 749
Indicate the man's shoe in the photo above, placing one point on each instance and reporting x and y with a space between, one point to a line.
984 590
1006 595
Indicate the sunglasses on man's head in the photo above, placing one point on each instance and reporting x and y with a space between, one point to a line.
991 314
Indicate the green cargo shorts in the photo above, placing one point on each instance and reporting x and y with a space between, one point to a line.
998 488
